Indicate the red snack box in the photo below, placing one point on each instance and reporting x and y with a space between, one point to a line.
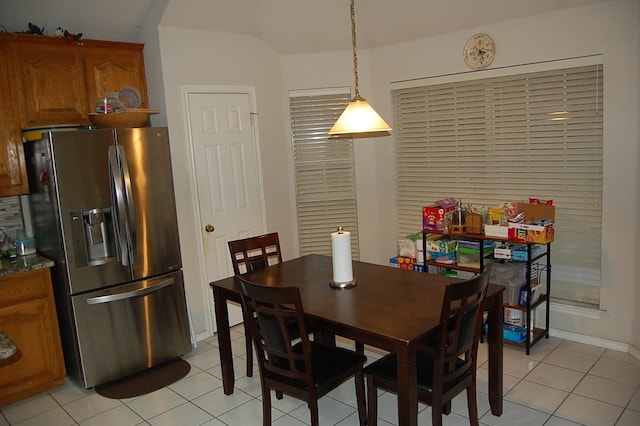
433 215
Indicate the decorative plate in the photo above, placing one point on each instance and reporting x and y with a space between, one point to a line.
130 97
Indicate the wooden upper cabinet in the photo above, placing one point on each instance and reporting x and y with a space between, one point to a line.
51 78
60 81
111 68
47 81
13 174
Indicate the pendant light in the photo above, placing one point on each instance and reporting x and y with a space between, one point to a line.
358 118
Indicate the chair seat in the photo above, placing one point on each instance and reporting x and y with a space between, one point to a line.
386 369
330 366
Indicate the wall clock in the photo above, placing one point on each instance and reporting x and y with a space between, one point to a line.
479 51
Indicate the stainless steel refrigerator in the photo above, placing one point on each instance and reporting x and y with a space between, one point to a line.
103 208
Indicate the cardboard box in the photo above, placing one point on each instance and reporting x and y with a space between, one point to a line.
418 267
473 223
393 262
433 216
537 211
531 233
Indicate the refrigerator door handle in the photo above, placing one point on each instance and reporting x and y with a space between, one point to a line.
128 199
118 205
131 294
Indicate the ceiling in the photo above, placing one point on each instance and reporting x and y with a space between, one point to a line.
288 26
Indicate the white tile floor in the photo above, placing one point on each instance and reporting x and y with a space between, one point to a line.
561 383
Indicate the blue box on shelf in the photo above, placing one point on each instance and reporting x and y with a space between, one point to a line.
514 333
418 267
520 252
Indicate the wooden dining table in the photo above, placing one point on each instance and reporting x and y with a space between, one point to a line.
393 309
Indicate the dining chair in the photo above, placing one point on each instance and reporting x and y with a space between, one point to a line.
301 368
252 254
447 367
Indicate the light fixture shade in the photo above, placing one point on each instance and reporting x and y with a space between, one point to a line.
359 117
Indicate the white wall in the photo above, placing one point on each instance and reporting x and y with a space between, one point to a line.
610 29
191 57
148 34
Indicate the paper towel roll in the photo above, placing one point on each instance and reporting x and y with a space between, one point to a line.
341 256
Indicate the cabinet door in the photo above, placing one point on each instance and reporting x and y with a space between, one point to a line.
110 69
13 175
51 78
28 318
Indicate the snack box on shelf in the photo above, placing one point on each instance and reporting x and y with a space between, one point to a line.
539 227
444 258
433 215
406 262
441 245
517 252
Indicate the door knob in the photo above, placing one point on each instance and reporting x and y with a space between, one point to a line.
209 228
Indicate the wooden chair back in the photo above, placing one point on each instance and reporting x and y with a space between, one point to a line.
254 253
301 368
460 327
447 367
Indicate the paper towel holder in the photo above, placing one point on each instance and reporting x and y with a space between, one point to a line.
345 284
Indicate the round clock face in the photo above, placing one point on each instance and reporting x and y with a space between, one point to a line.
479 51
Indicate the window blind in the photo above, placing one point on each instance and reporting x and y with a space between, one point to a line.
324 171
508 138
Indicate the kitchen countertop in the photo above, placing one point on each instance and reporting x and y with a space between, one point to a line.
24 264
7 347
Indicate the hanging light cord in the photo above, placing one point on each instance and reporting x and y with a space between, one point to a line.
355 48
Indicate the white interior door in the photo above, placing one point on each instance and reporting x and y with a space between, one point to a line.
228 178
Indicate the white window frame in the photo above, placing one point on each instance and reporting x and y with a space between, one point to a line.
469 155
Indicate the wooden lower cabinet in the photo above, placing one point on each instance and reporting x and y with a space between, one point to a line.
28 318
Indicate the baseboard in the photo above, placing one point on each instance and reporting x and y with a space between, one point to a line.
595 341
634 352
